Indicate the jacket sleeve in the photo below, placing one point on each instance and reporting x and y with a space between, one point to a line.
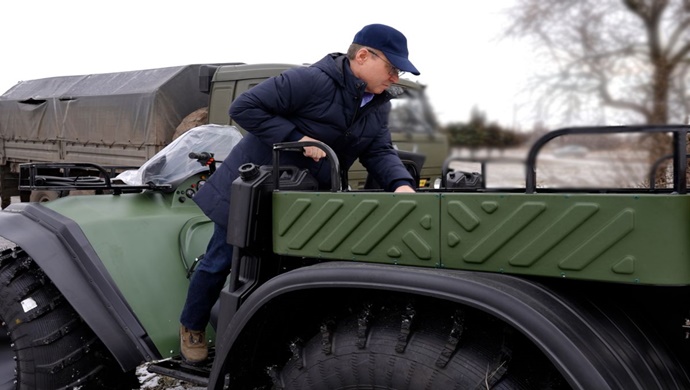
263 110
381 160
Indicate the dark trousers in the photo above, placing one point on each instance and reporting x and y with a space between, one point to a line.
207 281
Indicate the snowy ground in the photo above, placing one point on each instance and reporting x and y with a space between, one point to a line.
151 381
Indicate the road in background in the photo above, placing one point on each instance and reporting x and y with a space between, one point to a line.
593 169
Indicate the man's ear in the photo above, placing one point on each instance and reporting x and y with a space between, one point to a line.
361 55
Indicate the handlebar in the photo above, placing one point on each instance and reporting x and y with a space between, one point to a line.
336 183
205 159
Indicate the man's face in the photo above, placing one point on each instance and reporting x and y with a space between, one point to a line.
376 70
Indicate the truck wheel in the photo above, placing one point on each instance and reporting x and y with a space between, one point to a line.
402 349
51 346
43 196
9 184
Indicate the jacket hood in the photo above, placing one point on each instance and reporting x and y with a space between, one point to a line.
337 67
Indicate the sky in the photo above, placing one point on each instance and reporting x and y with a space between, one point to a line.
456 45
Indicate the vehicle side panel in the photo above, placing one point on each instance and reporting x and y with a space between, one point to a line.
147 248
627 238
358 226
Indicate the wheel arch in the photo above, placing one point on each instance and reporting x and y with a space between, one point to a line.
583 348
66 257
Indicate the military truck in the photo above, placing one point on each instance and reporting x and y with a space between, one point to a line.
462 286
120 120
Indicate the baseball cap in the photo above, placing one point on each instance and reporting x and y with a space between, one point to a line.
390 42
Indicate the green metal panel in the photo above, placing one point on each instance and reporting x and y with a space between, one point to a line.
626 238
613 237
378 227
147 247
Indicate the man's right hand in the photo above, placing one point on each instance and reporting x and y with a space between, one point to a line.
405 188
312 152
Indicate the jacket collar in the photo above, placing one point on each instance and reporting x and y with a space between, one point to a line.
337 66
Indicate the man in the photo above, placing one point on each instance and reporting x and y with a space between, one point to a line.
342 100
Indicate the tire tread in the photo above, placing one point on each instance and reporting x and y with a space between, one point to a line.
54 348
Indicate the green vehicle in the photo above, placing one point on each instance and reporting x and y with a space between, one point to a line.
462 286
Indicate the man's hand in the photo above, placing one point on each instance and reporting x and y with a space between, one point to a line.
312 152
405 189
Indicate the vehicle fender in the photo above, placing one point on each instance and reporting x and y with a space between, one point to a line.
59 247
587 350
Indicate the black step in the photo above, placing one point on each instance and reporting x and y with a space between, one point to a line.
176 368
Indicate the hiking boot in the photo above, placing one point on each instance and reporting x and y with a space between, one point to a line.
193 347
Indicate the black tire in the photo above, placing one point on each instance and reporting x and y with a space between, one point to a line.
7 366
51 344
9 185
43 196
398 348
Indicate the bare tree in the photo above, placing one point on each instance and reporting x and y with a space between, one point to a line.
631 56
610 61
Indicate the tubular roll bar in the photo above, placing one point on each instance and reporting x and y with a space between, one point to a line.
680 160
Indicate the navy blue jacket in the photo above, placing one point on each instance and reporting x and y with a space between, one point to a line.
321 101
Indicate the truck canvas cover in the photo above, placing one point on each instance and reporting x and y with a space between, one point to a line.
117 113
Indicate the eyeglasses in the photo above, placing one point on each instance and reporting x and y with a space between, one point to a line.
393 71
